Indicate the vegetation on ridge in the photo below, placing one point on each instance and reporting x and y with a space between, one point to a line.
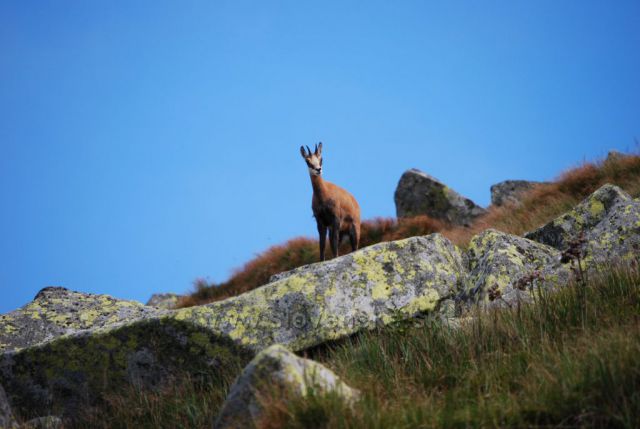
539 205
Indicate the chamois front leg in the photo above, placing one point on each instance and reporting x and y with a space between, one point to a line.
322 232
334 237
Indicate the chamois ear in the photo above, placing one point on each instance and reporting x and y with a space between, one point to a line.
319 149
303 153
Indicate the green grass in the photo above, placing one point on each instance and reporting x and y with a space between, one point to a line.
546 365
571 359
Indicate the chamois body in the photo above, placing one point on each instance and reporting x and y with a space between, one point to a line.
334 208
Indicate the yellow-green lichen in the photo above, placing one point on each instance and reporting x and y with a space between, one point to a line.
596 207
423 303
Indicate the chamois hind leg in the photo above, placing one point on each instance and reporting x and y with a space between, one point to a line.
353 238
322 232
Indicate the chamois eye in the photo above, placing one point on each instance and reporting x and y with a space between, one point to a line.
320 162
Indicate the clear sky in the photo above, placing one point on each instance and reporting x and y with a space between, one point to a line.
144 144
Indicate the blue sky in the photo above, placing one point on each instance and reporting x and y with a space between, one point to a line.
145 144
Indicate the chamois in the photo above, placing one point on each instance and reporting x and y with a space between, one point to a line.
334 208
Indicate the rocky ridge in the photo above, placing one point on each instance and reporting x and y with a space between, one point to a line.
62 350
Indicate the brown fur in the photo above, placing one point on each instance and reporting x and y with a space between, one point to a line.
335 209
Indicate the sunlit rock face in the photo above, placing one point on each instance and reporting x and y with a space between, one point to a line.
608 221
418 193
319 302
273 372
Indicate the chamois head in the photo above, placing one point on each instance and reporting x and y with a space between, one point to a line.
313 160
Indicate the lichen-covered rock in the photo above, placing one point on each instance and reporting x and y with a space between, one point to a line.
67 373
276 370
6 416
511 191
167 301
326 301
609 222
56 311
134 344
418 193
505 268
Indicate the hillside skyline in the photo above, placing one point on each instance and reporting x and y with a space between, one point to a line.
144 146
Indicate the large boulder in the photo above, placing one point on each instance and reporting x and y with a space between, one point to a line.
510 192
105 348
418 193
166 301
276 372
325 301
505 268
56 311
607 222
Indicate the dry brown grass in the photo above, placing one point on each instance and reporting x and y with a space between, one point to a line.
545 202
539 206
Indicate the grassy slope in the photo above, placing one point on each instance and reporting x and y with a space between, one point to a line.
549 364
570 359
539 206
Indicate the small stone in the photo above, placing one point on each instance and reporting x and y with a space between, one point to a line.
276 370
47 422
510 192
166 301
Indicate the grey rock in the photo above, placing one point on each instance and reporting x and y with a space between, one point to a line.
276 371
6 416
608 221
505 268
47 422
167 301
56 311
511 191
614 156
418 193
89 350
